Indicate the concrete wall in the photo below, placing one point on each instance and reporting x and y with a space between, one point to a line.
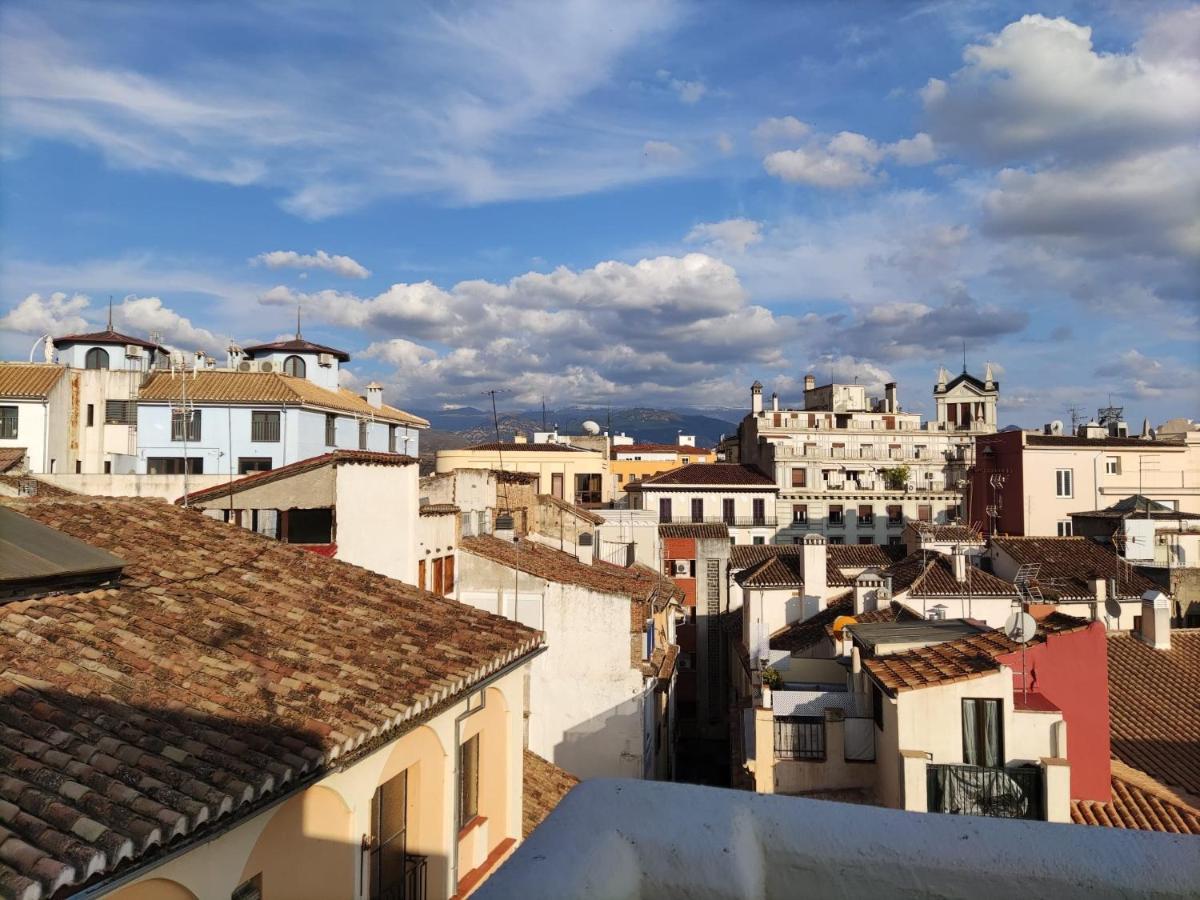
743 509
309 846
168 487
376 518
543 463
834 773
32 424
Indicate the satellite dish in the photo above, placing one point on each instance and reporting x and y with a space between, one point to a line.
841 622
1112 606
1020 627
1056 427
591 427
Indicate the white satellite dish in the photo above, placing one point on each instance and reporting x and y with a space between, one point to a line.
1020 627
591 427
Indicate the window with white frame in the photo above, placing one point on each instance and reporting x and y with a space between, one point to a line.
1112 465
1064 528
1064 482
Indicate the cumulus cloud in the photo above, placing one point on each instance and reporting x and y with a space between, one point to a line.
848 159
662 153
56 314
731 234
689 92
1146 377
290 259
725 144
149 315
784 129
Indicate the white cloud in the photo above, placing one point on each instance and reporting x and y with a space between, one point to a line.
149 315
56 314
785 129
690 92
1133 373
290 259
917 150
818 168
662 153
725 144
730 234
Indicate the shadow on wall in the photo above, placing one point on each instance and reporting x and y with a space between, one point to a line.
195 778
608 745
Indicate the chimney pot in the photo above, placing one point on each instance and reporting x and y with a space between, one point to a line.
810 382
375 394
1156 620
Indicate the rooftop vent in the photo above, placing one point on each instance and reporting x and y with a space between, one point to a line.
35 559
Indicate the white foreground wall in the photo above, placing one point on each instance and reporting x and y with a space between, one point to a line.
376 509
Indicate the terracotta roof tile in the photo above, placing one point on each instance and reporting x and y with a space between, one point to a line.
543 786
931 574
225 668
697 530
42 488
955 660
12 457
849 556
1154 707
743 556
336 458
782 570
1069 562
710 475
297 345
107 337
1138 802
678 449
578 511
514 447
439 509
802 635
950 533
269 388
32 381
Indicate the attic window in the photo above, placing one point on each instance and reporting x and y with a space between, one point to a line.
294 366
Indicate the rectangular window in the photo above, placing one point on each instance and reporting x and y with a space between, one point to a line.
120 412
185 426
468 781
727 515
925 513
248 464
91 414
664 509
448 577
1064 528
865 540
895 515
8 422
835 514
389 838
308 526
556 485
173 465
759 507
697 509
866 515
330 430
264 427
108 467
759 539
800 513
587 488
1064 482
836 541
392 439
894 540
983 733
799 478
1112 465
362 435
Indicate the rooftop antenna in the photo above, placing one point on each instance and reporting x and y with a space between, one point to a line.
492 392
1075 416
110 312
543 412
964 343
298 337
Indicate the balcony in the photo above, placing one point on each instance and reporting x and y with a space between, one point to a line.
800 737
1014 792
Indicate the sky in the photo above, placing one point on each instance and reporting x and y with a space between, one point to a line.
651 203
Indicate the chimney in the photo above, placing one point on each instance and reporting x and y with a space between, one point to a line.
866 592
1156 620
959 559
505 527
687 440
810 382
585 549
1100 591
756 398
774 401
892 396
375 395
520 439
812 565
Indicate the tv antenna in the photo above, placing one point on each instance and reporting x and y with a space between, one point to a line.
492 392
182 410
1076 414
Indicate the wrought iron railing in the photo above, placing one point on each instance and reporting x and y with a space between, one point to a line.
799 737
1006 793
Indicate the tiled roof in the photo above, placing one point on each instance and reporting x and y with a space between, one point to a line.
1138 802
697 530
1069 562
931 574
957 660
11 457
963 534
1137 507
711 475
106 337
272 388
28 380
439 509
1066 440
783 570
679 449
543 786
853 556
43 489
577 511
743 556
513 447
336 458
297 345
1154 707
802 635
510 477
225 669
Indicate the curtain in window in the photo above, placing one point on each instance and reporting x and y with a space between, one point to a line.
991 733
970 733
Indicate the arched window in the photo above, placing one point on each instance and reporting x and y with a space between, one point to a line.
294 365
97 358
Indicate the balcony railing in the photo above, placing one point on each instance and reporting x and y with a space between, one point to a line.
799 737
735 521
1008 793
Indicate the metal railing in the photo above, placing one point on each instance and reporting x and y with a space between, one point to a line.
799 737
1006 793
736 521
264 427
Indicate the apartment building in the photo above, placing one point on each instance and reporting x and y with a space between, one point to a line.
858 470
194 710
569 473
738 496
635 461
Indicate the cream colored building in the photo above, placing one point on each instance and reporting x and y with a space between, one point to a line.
857 470
568 473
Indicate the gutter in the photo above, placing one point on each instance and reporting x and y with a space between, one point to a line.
103 887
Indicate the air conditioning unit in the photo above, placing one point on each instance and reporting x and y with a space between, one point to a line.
245 366
133 351
325 359
266 366
681 567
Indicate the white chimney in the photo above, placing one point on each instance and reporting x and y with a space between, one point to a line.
774 401
585 549
756 398
892 397
959 559
867 587
810 383
687 440
1156 620
375 394
812 565
520 439
1099 589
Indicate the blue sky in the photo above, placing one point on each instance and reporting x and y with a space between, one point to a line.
650 203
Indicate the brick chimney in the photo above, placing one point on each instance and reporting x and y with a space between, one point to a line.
375 394
1156 620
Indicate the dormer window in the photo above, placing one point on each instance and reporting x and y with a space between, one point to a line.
96 358
294 366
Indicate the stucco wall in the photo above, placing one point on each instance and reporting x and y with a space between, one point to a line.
541 463
31 433
376 512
